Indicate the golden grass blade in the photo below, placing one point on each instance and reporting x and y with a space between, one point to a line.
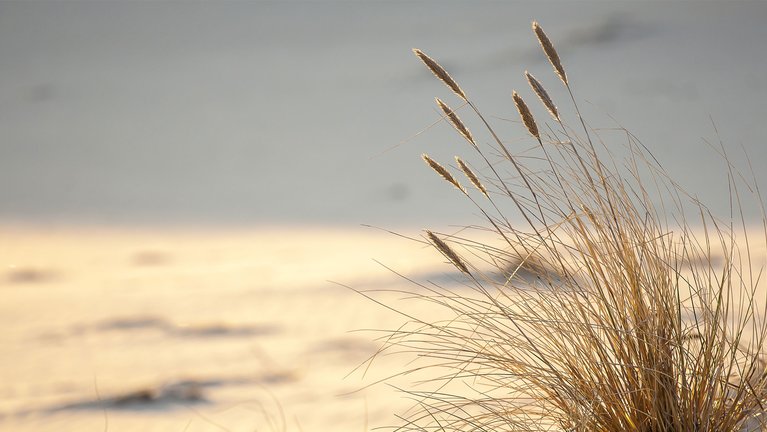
447 251
440 73
526 115
551 53
442 171
609 311
471 176
457 123
543 95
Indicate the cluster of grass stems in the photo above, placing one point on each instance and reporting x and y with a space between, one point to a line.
604 304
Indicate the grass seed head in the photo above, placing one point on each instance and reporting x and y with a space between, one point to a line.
551 53
457 123
526 115
447 251
442 171
471 176
440 73
543 95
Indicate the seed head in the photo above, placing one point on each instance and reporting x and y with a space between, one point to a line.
442 172
440 73
447 252
527 116
470 175
542 95
457 123
551 53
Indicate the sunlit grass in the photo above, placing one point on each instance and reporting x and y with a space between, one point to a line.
609 299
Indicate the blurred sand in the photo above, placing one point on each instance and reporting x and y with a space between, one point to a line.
192 330
240 319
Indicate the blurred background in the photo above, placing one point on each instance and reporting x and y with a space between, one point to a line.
179 179
282 112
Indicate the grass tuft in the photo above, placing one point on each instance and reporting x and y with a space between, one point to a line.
634 312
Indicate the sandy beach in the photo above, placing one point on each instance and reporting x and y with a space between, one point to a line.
213 326
183 187
197 330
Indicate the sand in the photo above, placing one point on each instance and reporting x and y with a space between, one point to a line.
195 329
186 329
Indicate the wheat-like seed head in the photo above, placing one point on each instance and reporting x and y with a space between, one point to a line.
447 251
470 175
442 171
551 53
457 123
527 116
440 73
543 95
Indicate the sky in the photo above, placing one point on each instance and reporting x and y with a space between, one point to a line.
316 113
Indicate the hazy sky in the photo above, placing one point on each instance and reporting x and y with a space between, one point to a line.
279 112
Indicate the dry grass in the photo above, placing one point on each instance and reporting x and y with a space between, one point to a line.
470 175
440 73
543 95
442 171
551 53
456 122
621 333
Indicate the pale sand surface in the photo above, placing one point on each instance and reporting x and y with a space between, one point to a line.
247 316
245 320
